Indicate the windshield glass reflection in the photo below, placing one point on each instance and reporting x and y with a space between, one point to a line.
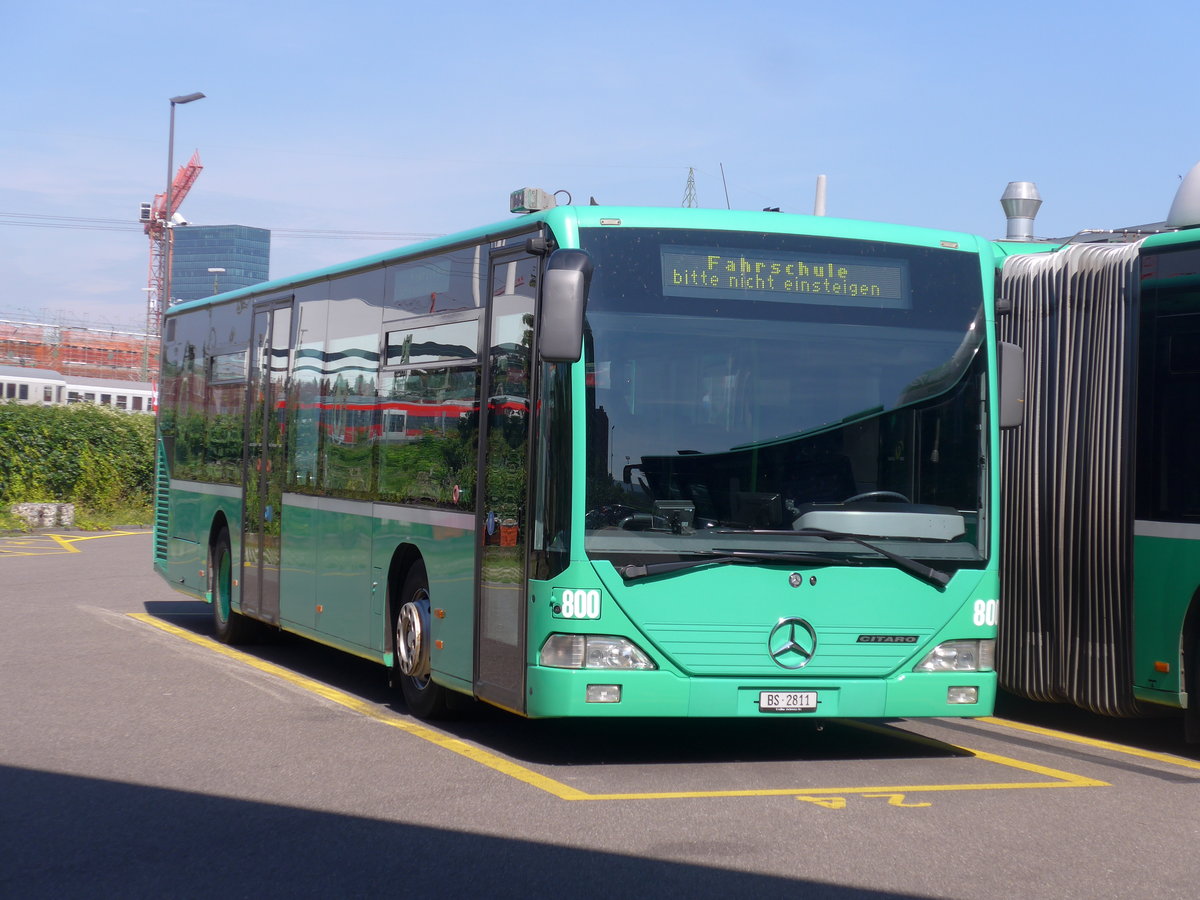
745 420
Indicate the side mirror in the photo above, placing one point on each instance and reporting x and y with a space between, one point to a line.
564 300
1011 360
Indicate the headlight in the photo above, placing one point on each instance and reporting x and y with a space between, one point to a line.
960 656
593 651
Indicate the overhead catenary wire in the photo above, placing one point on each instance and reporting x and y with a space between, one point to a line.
32 220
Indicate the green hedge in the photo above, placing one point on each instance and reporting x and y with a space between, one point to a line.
93 456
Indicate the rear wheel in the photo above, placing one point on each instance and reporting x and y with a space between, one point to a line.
231 627
424 698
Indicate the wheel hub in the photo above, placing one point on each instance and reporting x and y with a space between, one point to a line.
412 637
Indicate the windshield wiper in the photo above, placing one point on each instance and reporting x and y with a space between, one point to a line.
911 566
726 557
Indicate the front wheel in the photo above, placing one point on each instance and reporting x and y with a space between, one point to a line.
411 646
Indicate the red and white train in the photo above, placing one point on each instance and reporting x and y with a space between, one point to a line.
46 387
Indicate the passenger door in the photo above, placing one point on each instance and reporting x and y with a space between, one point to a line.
502 498
266 462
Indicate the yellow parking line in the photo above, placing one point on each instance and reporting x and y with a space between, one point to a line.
360 706
37 545
51 544
78 538
565 791
1168 758
68 546
1062 779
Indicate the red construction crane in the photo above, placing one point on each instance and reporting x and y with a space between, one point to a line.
155 220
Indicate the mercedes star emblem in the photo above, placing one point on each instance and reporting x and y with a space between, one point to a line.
792 643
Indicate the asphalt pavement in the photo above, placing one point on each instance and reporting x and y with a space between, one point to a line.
140 759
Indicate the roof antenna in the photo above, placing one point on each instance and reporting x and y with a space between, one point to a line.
725 185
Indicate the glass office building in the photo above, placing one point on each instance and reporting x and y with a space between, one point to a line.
243 252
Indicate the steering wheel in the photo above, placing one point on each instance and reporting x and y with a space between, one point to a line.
637 522
878 495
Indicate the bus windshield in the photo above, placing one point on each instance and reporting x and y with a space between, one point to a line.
750 391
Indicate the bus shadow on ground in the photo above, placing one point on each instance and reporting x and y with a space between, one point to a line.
86 837
570 742
1159 730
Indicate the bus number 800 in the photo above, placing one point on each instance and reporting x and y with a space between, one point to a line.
580 605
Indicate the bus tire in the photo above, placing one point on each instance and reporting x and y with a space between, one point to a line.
231 627
411 651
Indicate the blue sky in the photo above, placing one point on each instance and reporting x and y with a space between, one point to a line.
412 119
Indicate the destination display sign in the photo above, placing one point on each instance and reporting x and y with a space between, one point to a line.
786 277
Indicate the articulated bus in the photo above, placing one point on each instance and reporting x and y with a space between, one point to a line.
607 461
1101 539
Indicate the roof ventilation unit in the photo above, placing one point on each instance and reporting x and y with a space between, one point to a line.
1021 201
1185 211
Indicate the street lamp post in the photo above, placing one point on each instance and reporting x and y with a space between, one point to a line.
165 281
216 273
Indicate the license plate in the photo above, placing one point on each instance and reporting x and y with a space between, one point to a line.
787 701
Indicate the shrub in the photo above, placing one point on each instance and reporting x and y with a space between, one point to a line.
100 458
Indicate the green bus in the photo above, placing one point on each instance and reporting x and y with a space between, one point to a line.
1101 573
606 461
